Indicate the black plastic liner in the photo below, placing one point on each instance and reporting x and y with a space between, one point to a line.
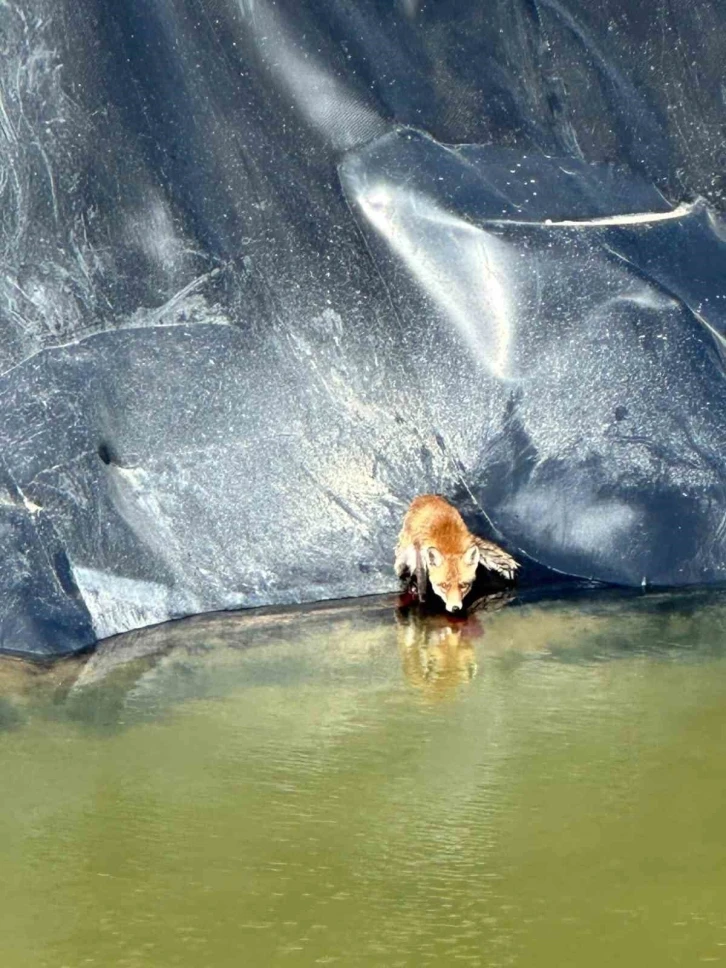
269 269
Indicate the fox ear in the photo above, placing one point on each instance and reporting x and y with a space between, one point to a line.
471 557
433 557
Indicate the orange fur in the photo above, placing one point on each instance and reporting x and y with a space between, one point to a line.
435 542
432 520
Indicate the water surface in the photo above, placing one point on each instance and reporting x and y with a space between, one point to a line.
540 785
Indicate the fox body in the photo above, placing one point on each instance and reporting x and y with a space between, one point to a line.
435 545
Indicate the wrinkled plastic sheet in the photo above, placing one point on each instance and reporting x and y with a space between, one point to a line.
269 270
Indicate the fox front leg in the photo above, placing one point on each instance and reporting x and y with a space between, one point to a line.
410 567
405 563
421 575
496 559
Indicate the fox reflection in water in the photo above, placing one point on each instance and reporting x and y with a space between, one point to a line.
438 651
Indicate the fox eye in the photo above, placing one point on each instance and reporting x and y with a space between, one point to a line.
464 588
446 585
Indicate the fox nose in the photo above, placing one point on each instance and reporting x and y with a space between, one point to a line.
455 608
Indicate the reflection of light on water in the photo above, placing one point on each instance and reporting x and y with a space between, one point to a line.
462 268
437 655
438 652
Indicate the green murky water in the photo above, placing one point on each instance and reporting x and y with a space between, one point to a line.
544 785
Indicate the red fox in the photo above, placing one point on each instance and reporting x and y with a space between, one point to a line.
435 545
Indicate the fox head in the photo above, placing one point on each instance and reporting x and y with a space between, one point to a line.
451 576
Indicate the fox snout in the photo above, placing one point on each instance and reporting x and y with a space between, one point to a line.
452 599
453 604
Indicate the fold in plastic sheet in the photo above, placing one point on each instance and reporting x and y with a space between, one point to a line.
566 333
